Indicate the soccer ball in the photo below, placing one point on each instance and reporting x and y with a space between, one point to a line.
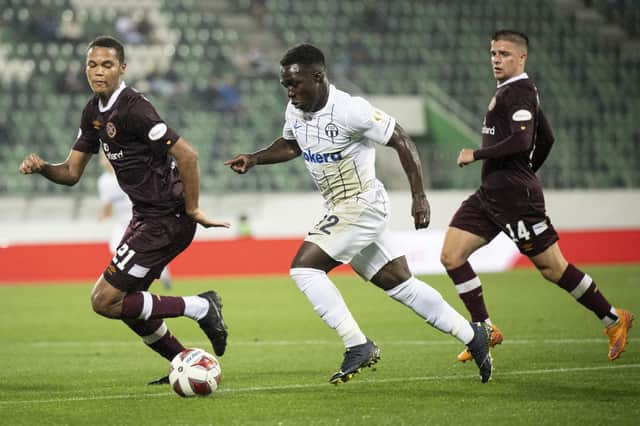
194 372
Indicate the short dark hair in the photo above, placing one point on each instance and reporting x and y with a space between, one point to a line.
304 54
111 43
513 36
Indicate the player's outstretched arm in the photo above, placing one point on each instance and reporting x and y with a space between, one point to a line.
66 173
410 160
189 169
279 151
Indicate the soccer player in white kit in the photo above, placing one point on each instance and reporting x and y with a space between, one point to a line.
116 204
335 134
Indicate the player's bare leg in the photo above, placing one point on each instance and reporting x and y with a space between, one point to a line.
206 309
458 246
555 268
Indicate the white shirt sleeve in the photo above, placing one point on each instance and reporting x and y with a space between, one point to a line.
374 124
287 132
108 189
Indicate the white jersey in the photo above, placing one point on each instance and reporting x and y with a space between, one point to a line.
110 192
337 143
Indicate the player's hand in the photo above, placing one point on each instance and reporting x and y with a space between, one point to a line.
201 217
465 157
241 163
31 164
421 211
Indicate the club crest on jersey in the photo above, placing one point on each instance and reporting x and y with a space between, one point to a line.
331 130
327 157
111 129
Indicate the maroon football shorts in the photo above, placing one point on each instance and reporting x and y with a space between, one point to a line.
148 245
519 214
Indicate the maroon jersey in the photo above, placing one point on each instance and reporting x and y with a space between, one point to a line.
136 141
508 138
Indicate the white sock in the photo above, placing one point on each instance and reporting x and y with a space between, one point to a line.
165 275
607 320
328 304
195 307
425 301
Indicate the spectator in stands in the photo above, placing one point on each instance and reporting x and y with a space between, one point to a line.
225 96
260 11
244 226
128 30
250 61
43 26
516 139
70 29
159 172
335 134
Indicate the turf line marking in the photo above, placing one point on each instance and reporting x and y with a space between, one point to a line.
356 382
44 344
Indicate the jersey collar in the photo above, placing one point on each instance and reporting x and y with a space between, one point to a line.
309 115
512 79
112 99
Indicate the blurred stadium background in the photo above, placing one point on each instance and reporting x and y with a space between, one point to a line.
210 68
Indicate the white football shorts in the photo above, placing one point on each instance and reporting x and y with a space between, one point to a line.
354 231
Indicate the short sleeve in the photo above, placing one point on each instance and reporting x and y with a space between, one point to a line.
146 125
287 132
521 109
373 123
87 139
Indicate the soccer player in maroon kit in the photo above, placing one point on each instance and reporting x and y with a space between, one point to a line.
516 139
159 171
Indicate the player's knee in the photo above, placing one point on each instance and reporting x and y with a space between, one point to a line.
392 274
450 260
98 304
304 277
550 274
105 304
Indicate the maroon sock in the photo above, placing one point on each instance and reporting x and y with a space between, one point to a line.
469 292
144 305
157 336
585 290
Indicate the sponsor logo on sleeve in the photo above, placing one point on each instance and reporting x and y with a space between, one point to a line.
377 116
522 115
157 131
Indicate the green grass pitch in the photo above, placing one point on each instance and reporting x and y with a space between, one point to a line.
62 364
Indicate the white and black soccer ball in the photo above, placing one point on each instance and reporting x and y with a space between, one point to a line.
194 372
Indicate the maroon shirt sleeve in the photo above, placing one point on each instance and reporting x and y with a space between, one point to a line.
146 125
87 139
544 141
